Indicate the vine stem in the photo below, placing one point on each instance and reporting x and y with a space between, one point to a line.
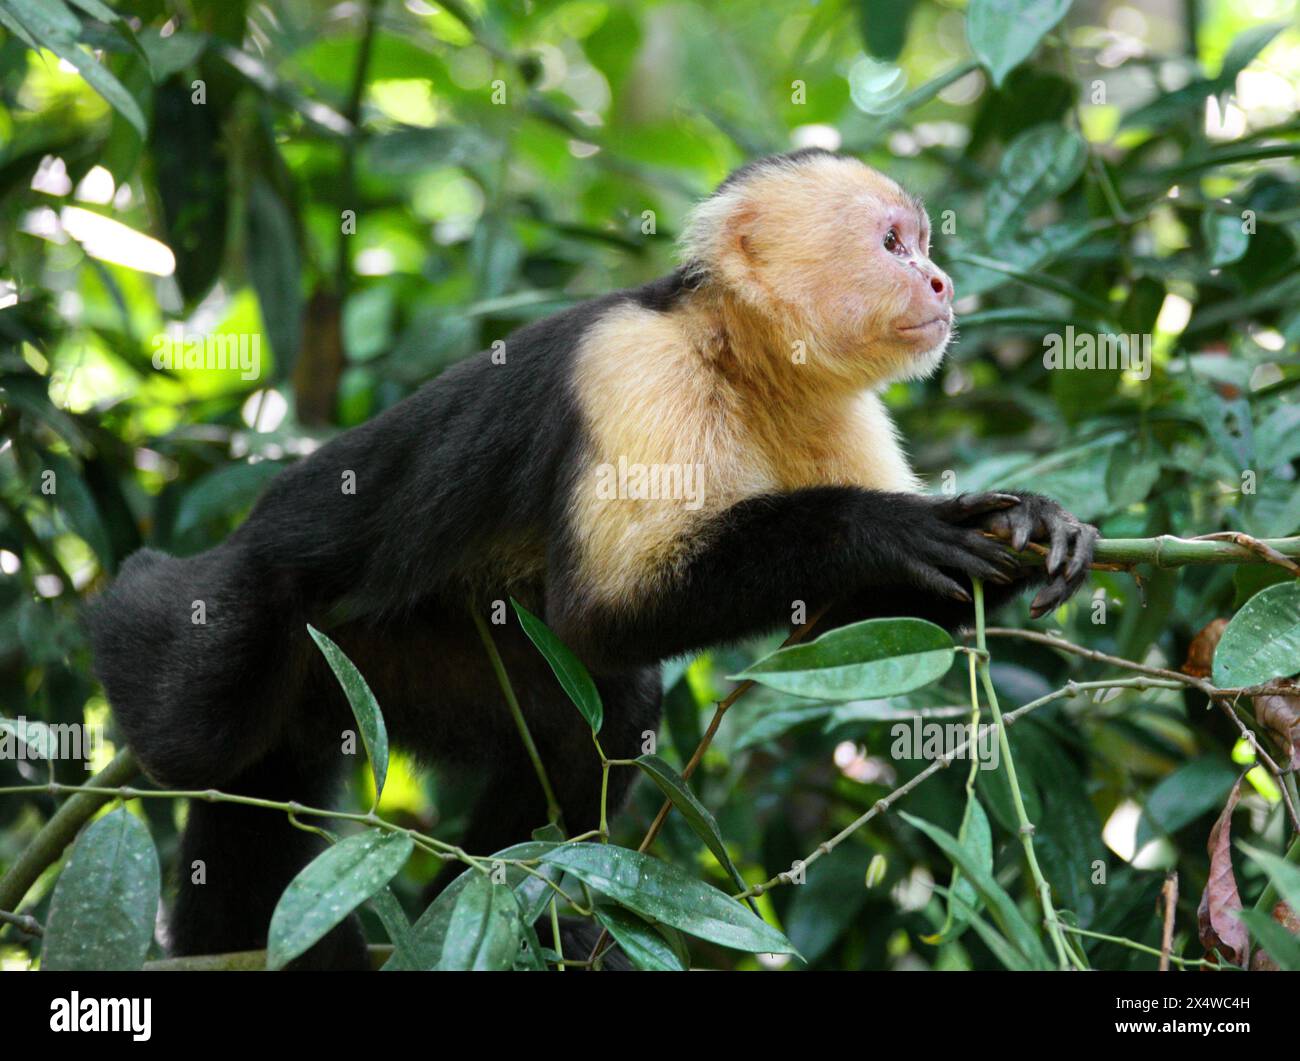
796 635
881 806
1222 698
1195 963
101 794
1166 550
516 712
1064 953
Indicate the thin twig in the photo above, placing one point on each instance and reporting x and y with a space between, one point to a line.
22 922
1169 894
1222 698
1260 548
882 805
1065 955
796 635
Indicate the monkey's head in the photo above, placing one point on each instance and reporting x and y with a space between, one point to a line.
835 253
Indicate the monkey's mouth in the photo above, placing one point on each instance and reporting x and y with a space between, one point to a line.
934 324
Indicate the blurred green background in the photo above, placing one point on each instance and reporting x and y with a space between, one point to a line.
376 189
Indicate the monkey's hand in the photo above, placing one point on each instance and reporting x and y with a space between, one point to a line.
945 536
1069 544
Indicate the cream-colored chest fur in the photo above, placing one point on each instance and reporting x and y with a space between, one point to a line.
674 441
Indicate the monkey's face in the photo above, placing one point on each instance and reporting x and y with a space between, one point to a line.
882 308
840 254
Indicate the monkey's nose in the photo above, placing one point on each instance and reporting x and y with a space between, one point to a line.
941 287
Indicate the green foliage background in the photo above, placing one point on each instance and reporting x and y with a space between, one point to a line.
505 160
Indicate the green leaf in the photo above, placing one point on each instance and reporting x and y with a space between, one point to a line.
415 151
1001 906
53 26
659 891
106 899
1284 874
827 904
329 888
11 22
884 26
1004 33
365 709
1195 788
1037 165
221 493
871 659
193 178
643 945
998 944
572 675
674 786
485 931
1225 238
429 933
976 836
275 268
1282 946
1243 50
393 917
1263 639
97 9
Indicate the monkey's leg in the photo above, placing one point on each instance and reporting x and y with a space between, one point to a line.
236 861
200 660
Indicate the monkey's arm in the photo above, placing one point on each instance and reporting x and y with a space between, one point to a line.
816 545
1036 518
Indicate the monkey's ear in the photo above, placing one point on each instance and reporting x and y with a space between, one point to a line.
739 251
741 225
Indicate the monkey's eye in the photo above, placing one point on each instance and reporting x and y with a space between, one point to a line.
892 243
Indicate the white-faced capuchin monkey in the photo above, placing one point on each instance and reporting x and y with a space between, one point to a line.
652 472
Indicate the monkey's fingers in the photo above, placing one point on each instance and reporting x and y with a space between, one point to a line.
1060 532
992 550
965 507
1016 525
1051 597
1082 538
932 580
1085 541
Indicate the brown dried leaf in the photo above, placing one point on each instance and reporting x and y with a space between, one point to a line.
1200 653
1220 928
1280 715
